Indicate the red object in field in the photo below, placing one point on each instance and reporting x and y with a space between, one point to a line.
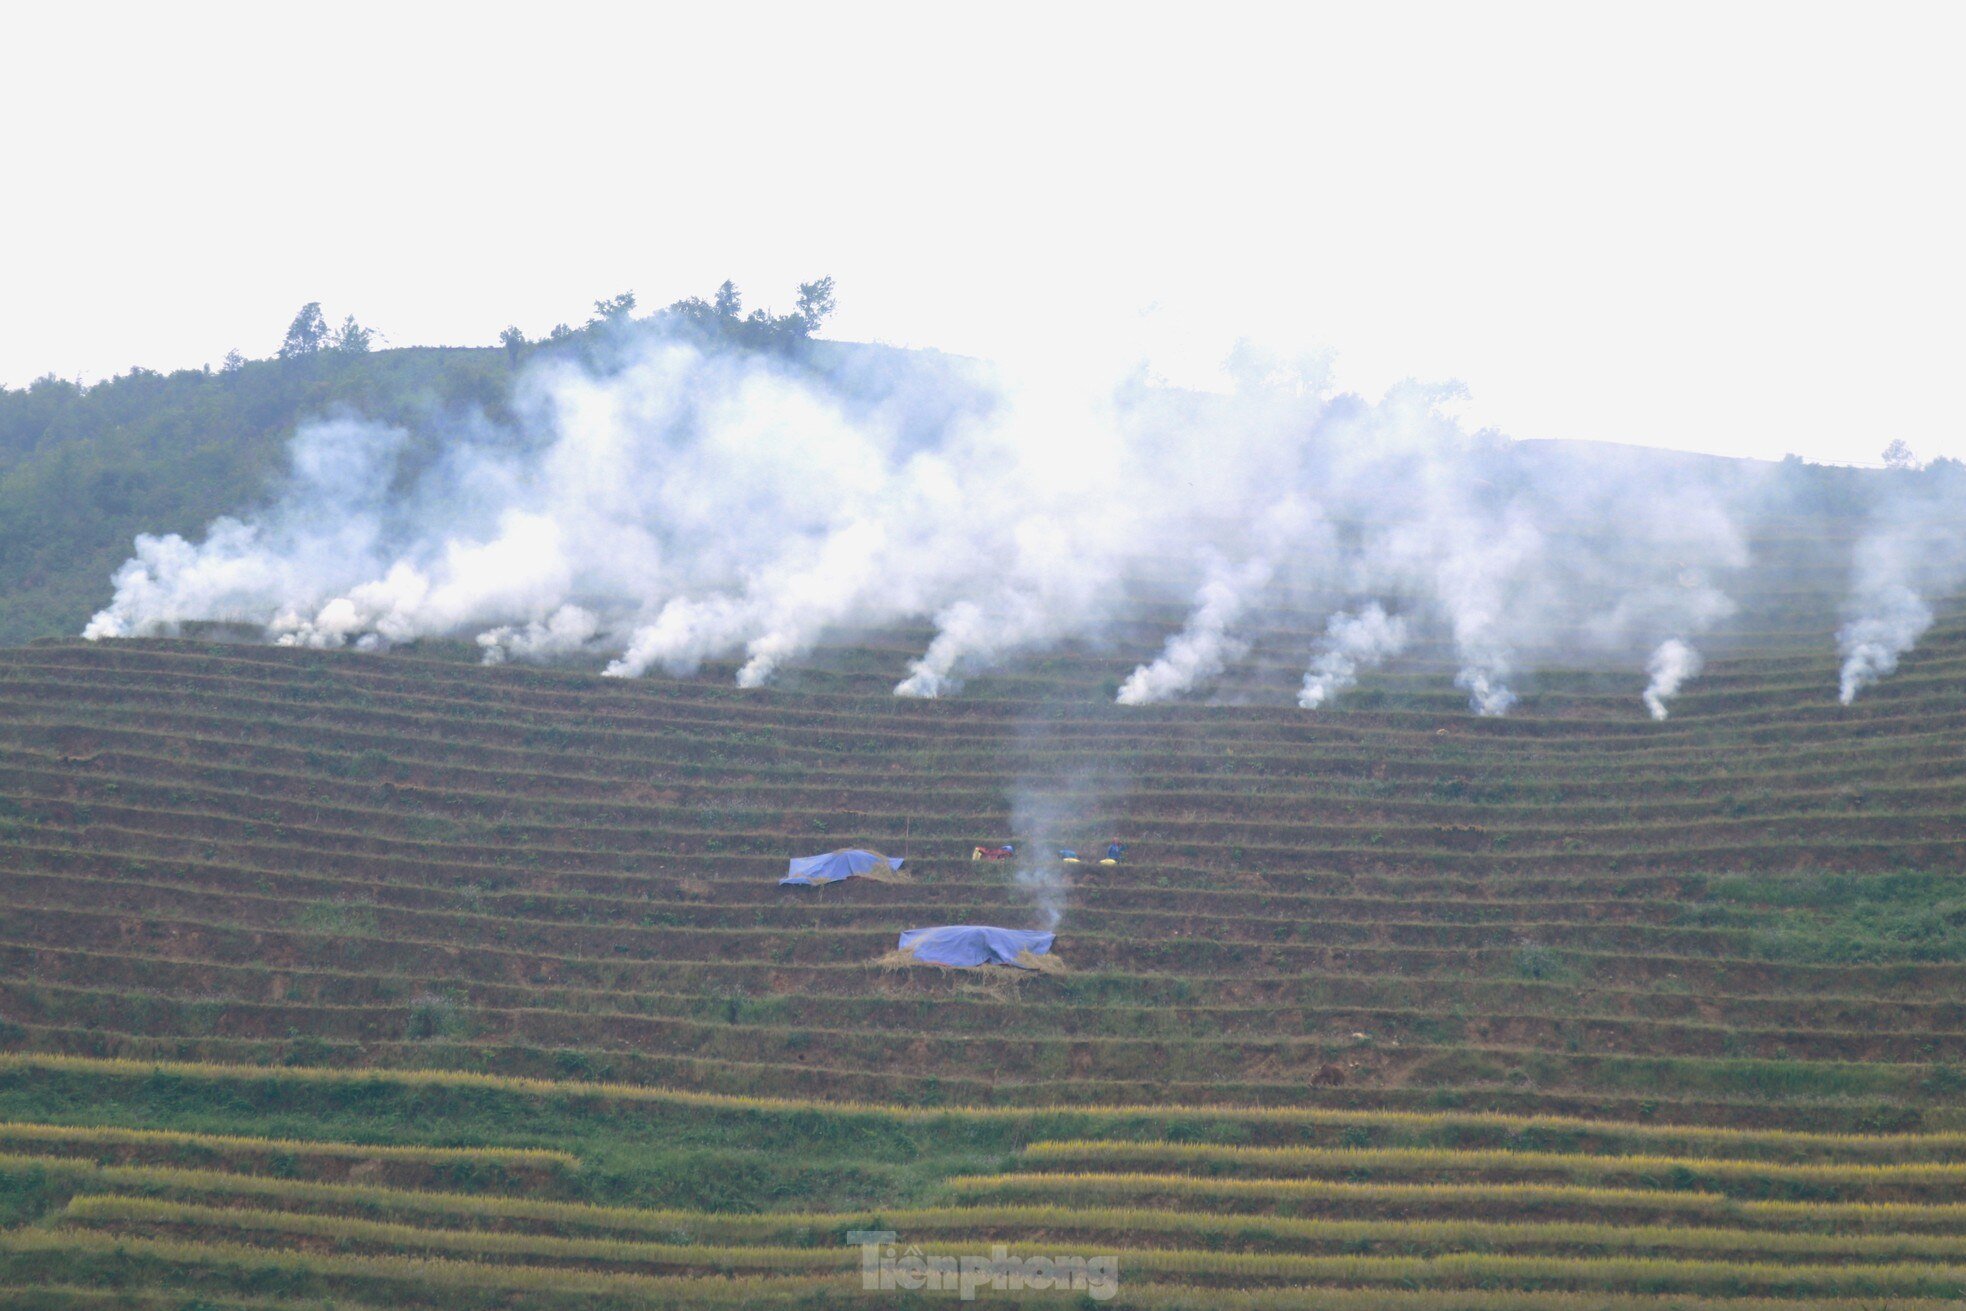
993 853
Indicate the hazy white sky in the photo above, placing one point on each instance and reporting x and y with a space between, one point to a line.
1730 227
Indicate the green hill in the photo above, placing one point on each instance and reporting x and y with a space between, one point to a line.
83 470
350 980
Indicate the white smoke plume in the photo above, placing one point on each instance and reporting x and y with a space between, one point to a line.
1671 664
1352 643
1207 644
1046 505
1912 554
662 504
1205 647
1895 618
679 508
1472 583
565 631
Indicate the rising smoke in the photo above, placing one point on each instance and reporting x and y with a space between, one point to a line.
1670 666
1054 805
1912 553
663 503
1894 618
1040 876
1207 644
1352 642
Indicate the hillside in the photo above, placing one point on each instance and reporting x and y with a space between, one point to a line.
83 470
398 981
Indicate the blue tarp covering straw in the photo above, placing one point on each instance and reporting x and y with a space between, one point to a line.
808 871
973 944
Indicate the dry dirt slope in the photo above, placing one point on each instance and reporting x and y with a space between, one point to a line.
1569 1008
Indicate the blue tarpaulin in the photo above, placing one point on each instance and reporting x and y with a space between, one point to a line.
808 871
973 944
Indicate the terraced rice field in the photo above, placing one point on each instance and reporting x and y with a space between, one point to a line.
399 982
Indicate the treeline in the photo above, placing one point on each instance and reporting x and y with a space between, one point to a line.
721 320
52 408
85 468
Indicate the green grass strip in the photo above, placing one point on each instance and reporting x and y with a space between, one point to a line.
17 1133
438 1284
1887 1229
1488 1198
1579 1165
1732 1140
1659 1275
